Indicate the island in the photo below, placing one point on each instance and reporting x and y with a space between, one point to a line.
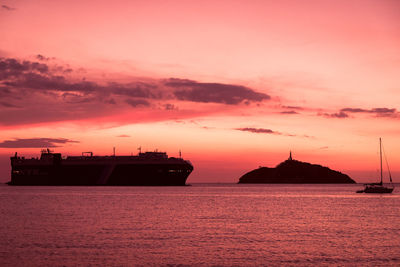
295 172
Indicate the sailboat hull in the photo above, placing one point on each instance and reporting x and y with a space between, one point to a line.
378 189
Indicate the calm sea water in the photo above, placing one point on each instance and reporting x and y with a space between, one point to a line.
203 224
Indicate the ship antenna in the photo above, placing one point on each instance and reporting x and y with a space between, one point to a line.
180 154
114 151
290 155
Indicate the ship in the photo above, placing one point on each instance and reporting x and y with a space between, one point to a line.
379 188
143 169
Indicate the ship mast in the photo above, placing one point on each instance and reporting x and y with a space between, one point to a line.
380 154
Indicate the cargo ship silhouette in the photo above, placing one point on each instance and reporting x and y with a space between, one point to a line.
144 169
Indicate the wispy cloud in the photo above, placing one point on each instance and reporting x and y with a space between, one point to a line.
269 131
340 115
377 112
258 130
7 105
123 135
7 8
42 58
380 112
35 142
293 107
290 112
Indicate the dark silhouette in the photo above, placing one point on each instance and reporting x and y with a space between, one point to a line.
148 168
295 172
379 188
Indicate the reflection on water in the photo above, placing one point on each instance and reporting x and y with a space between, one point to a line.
203 224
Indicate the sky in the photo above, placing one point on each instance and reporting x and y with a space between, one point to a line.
232 84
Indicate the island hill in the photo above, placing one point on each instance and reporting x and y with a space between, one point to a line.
295 172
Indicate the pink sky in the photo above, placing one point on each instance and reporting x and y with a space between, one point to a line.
233 84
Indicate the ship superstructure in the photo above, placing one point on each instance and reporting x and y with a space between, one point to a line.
148 168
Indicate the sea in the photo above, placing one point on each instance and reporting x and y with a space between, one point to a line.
199 225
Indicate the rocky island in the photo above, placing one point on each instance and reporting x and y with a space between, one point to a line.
295 172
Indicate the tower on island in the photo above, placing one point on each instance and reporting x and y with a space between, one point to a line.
290 155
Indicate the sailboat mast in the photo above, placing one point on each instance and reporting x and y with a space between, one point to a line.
380 154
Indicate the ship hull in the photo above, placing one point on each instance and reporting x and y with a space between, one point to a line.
108 174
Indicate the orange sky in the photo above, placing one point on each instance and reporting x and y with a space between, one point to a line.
233 84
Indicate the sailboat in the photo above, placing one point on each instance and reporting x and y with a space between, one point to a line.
378 187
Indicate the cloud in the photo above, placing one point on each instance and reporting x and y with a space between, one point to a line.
213 92
289 112
76 98
258 130
42 58
135 89
269 131
123 135
384 110
35 142
11 68
7 105
339 115
37 81
380 112
46 92
7 8
353 110
293 107
137 102
169 106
